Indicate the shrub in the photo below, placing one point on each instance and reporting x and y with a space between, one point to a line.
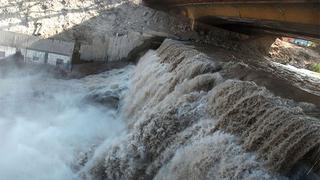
316 67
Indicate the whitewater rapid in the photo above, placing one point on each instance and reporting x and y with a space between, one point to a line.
50 128
172 116
187 121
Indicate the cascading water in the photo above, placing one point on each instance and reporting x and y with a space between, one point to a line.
172 116
170 134
180 111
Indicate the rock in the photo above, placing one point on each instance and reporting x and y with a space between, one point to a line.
108 99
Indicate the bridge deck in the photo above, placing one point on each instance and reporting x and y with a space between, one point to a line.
300 17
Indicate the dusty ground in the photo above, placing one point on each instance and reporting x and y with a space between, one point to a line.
86 20
52 16
291 54
283 80
112 17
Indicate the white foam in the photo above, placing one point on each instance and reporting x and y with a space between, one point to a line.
45 123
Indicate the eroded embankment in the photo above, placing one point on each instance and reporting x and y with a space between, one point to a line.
187 122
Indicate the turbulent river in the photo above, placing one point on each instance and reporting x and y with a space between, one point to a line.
172 116
48 125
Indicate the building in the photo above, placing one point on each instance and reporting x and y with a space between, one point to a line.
59 60
33 56
36 50
302 42
6 51
299 42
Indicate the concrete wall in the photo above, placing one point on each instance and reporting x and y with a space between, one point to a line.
96 51
121 46
101 47
111 48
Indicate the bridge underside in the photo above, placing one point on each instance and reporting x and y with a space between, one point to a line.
287 17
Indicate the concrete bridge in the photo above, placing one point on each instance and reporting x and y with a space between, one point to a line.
287 17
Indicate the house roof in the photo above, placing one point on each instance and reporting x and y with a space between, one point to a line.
18 40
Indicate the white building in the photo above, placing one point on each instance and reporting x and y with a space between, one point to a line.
37 50
6 51
59 60
33 56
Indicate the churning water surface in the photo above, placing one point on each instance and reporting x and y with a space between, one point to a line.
47 124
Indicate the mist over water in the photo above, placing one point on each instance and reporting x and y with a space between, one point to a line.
172 116
47 125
